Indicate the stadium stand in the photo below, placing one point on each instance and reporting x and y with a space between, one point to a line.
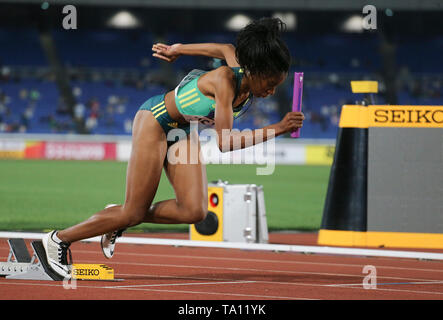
112 73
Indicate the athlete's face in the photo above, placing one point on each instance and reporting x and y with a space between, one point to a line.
264 86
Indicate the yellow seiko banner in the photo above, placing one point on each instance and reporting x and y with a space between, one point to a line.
355 116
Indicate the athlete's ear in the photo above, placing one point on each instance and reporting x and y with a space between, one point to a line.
247 73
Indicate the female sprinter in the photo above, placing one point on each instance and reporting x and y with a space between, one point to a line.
256 66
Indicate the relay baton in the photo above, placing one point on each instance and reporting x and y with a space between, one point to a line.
297 98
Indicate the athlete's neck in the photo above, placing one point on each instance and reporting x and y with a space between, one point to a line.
244 86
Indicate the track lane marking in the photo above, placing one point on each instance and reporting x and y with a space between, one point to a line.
172 291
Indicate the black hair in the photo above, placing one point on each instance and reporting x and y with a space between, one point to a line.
260 50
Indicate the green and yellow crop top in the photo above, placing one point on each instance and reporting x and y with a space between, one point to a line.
195 106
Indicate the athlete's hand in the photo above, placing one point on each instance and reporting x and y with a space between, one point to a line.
291 122
165 52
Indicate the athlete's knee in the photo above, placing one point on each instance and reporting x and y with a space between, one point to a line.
195 213
130 218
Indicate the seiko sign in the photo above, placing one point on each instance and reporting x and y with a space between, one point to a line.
356 116
412 116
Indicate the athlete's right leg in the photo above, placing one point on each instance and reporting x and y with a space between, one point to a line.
145 165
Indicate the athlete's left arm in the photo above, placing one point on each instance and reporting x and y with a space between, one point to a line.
225 51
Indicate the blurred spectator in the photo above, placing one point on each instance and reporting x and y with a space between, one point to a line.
23 94
91 122
77 92
34 95
5 73
128 126
79 111
94 106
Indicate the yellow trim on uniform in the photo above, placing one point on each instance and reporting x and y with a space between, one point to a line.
355 116
188 98
158 105
380 239
186 93
364 86
159 114
189 103
158 110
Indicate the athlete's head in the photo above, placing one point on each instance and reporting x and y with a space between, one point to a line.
263 55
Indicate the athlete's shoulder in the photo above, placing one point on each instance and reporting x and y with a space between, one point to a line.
224 73
221 70
219 80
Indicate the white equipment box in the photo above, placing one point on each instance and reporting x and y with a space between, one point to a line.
236 213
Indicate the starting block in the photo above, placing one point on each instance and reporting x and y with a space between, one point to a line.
22 266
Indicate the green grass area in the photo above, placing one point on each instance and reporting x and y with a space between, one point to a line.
41 195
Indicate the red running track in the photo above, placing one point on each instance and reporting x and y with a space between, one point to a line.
151 272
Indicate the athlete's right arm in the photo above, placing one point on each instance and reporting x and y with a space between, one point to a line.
225 51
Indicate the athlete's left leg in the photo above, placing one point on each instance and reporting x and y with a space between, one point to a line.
190 185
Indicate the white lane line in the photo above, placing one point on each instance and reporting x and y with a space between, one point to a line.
224 294
200 293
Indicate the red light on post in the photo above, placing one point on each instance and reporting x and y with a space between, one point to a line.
213 200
